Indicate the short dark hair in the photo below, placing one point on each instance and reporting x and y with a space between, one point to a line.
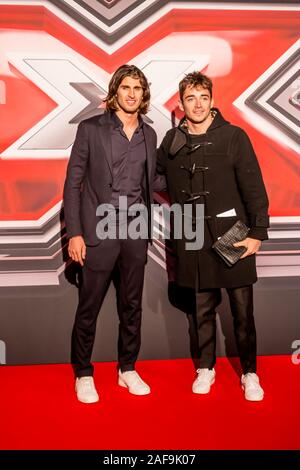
122 72
195 79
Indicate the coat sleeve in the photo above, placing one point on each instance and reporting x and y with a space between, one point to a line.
162 155
251 185
159 183
75 174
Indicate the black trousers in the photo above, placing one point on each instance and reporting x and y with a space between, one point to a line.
125 260
202 326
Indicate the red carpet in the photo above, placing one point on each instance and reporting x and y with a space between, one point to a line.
39 409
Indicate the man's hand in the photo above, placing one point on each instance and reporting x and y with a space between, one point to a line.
77 249
251 244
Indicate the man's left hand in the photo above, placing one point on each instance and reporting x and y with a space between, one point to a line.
251 244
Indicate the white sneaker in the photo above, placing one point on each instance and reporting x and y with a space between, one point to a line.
251 387
133 382
205 379
85 389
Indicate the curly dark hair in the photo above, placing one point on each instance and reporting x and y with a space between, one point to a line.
122 72
195 79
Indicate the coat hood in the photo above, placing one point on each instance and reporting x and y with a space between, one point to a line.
181 135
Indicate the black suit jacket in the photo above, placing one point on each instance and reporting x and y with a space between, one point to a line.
89 176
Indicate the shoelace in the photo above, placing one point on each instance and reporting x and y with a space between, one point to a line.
252 381
135 379
87 384
203 373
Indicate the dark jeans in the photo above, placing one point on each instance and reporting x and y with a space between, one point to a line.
126 260
202 326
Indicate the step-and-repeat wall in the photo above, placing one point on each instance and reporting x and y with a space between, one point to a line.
56 59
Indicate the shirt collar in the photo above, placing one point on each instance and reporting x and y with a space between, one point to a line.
118 124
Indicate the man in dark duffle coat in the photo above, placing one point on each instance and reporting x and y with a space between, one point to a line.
208 161
114 155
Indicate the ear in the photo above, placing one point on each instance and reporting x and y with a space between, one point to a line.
180 105
212 103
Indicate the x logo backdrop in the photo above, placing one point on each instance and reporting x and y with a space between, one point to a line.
56 59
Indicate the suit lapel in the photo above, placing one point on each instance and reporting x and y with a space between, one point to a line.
149 149
105 136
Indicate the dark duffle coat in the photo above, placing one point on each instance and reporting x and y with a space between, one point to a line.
228 177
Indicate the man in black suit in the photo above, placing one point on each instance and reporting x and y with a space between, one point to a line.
211 162
113 156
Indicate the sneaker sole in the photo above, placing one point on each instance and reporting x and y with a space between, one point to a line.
204 392
88 401
95 400
123 384
260 398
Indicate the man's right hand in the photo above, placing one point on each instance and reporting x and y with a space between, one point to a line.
77 249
